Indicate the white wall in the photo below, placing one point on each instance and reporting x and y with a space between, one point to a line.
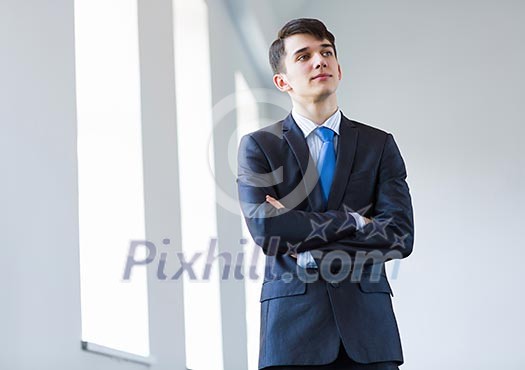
40 310
40 282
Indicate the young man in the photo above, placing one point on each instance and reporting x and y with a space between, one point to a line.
326 199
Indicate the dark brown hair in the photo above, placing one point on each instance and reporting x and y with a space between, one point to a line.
310 26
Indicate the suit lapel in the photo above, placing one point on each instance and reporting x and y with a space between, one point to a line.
295 138
346 149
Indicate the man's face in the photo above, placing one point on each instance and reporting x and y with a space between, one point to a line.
311 70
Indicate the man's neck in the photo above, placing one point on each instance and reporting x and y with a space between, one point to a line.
317 112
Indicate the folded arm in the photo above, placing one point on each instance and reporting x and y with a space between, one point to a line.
276 229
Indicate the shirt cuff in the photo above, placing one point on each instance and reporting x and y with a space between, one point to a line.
306 260
359 220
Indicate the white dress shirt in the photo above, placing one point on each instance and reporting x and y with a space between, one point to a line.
315 143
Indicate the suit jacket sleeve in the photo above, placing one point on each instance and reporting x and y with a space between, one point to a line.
279 230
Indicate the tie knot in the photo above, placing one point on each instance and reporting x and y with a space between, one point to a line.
325 134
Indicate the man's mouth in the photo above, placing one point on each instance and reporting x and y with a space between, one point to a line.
322 76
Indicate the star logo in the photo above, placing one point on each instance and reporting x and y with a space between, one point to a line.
399 241
379 228
318 230
350 220
292 248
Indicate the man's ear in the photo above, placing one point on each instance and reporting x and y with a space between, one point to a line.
281 83
340 72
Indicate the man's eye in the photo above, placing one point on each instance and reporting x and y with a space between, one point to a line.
328 53
302 57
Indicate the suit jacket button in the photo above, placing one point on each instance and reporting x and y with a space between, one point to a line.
335 284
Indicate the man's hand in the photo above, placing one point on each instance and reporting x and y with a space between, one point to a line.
274 202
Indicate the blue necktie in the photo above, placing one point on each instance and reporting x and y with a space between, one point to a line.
326 163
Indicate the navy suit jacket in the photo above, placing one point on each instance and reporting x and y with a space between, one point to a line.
303 319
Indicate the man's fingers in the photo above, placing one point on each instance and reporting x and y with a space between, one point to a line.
274 202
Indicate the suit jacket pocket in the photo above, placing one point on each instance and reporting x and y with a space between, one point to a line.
281 288
369 285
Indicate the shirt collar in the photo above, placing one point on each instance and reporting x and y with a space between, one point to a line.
307 126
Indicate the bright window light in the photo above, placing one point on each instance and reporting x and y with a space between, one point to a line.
202 309
111 205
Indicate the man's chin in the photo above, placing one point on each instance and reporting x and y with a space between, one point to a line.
315 94
323 94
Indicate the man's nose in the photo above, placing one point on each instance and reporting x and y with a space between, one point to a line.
320 61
